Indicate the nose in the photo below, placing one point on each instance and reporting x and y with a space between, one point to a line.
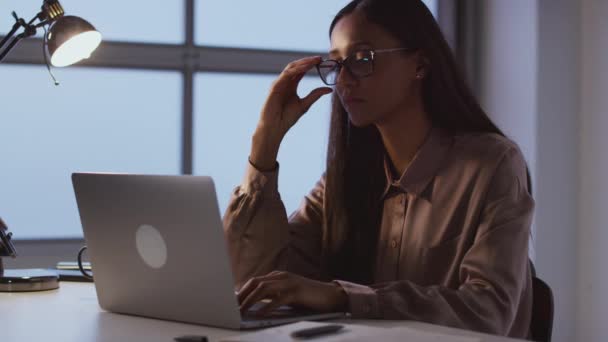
345 78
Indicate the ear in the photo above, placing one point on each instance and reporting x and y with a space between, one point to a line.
422 65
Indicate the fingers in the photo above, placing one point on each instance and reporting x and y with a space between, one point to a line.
308 61
298 70
314 96
294 71
267 289
283 298
253 283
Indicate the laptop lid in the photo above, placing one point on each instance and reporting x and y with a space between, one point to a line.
157 247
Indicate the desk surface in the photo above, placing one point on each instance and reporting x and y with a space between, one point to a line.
72 313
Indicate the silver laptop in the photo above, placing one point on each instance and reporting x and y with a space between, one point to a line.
157 249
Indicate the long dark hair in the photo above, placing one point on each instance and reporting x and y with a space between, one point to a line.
355 157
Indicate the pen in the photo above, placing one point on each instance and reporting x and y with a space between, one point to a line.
316 331
191 338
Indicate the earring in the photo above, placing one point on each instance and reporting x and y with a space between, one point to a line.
420 72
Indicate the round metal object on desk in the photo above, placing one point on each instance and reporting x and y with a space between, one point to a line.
28 280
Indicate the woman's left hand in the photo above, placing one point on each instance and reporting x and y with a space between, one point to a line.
284 288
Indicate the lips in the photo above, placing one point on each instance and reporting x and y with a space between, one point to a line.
352 100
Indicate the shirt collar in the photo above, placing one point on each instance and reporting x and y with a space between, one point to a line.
423 167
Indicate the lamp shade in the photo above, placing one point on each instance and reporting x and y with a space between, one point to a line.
71 39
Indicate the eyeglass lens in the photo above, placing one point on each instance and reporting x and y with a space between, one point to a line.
359 64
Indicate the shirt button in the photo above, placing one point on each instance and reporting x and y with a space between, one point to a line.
394 243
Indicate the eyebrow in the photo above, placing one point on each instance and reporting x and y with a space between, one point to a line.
352 46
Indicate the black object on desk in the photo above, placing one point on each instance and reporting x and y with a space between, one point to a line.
191 338
317 331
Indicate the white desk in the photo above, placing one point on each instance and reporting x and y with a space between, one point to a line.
72 313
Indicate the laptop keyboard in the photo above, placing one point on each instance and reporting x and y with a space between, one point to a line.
281 312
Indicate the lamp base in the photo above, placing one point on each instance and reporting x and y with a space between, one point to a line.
28 280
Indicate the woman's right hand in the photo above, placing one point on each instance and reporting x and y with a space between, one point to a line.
282 109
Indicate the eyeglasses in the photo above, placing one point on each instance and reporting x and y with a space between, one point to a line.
359 64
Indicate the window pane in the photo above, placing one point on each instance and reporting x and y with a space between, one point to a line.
227 111
96 120
270 24
161 21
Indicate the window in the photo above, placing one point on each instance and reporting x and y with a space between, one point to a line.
159 22
271 24
97 120
223 129
277 24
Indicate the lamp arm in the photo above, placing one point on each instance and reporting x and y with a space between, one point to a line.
6 246
10 47
44 23
10 34
30 30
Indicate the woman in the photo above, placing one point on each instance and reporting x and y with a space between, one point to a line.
424 212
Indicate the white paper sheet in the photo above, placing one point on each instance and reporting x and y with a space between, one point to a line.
412 335
350 333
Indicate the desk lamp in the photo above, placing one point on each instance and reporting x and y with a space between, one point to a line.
69 39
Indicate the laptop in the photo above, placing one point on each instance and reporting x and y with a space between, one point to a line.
157 249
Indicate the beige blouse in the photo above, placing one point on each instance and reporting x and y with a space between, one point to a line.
453 243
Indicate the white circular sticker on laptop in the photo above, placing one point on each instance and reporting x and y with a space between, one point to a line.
151 246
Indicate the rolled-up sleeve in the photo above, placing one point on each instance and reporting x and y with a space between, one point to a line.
260 236
494 273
